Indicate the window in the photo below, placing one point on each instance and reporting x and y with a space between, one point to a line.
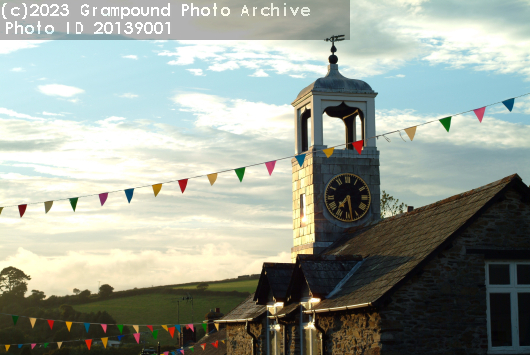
274 335
508 299
310 340
303 213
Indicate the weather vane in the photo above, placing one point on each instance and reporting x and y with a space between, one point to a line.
333 58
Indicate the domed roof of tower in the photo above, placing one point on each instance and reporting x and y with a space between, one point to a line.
334 81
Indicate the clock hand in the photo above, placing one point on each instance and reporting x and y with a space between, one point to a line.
343 203
349 205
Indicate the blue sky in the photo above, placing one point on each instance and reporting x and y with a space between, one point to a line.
85 117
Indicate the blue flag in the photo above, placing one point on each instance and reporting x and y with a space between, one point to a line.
120 337
300 159
509 104
129 194
20 345
178 328
87 325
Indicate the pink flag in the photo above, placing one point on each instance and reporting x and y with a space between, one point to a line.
480 113
166 352
104 326
103 198
183 183
33 345
182 351
137 337
191 327
270 166
358 146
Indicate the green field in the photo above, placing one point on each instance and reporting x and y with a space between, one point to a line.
158 309
241 286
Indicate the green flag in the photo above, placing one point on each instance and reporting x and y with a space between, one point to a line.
240 172
155 333
204 326
73 202
15 319
191 348
45 345
120 327
446 122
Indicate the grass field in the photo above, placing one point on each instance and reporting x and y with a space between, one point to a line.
241 286
157 309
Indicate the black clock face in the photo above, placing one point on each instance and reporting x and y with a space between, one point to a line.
347 197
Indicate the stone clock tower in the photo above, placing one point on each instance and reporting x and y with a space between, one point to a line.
331 195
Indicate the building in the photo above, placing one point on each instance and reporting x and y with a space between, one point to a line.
451 277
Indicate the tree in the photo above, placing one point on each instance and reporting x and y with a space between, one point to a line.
105 290
36 296
84 294
203 286
390 206
77 291
13 281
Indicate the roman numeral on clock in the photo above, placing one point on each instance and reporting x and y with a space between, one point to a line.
364 197
339 212
362 188
332 205
362 206
339 182
331 197
347 179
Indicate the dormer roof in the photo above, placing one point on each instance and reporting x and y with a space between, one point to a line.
273 282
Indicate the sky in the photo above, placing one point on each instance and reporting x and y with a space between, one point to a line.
85 117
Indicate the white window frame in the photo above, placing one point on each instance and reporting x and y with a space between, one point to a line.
512 289
307 304
272 325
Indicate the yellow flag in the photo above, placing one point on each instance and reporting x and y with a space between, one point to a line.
33 320
59 344
104 341
411 132
157 188
48 205
68 325
212 178
165 327
328 151
7 347
1 208
137 328
223 341
217 326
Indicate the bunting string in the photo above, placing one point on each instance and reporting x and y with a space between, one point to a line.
240 172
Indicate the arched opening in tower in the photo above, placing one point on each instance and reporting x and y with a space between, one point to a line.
349 116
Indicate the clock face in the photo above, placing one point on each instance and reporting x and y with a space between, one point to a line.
347 197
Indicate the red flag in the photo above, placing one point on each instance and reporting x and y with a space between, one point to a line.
88 343
480 113
203 346
358 146
171 331
22 209
50 323
150 327
216 344
183 183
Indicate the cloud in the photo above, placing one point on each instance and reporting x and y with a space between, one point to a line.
10 46
260 73
18 70
196 72
129 95
11 113
60 90
131 56
395 76
51 114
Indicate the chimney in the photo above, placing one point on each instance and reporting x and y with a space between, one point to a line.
410 208
210 317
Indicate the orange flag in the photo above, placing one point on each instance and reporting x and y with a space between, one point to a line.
157 188
69 325
328 151
212 178
411 132
104 341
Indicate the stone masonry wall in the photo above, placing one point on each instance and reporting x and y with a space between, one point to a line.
443 310
240 343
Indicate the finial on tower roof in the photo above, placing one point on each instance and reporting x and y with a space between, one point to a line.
333 59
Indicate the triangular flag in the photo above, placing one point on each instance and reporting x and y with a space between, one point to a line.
182 351
137 337
150 327
1 208
171 331
120 327
104 326
69 325
137 328
270 166
192 349
300 159
7 347
103 198
73 202
46 345
87 325
212 178
480 113
165 327
155 334
157 188
203 346
411 132
33 346
223 341
50 323
32 321
204 326
15 319
22 209
120 337
104 341
509 104
47 206
88 343
216 344
59 344
166 352
178 328
240 173
358 146
216 326
328 151
183 183
446 122
20 345
191 327
129 193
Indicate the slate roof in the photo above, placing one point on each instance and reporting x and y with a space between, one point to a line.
275 278
394 247
209 349
247 310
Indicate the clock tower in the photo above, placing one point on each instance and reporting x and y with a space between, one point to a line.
335 193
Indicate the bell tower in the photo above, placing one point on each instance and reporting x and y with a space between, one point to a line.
333 194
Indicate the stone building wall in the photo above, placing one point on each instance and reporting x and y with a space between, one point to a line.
240 343
443 310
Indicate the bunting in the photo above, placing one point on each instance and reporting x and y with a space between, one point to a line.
203 346
136 328
137 337
165 327
50 323
73 202
191 327
69 325
120 327
129 194
32 321
216 344
155 333
270 166
446 122
479 112
204 326
46 345
157 188
33 346
15 319
1 208
103 198
88 343
104 341
178 328
358 146
87 325
329 151
171 331
216 326
150 327
104 326
240 173
300 158
212 178
183 183
59 344
22 209
48 206
7 347
411 132
509 104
